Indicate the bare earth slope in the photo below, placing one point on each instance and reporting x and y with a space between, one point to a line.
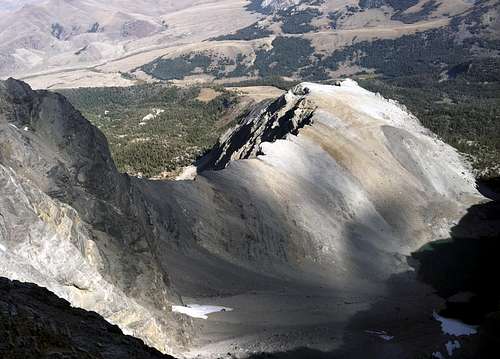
300 220
319 146
50 35
330 213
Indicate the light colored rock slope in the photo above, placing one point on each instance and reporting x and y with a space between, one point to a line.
353 192
305 236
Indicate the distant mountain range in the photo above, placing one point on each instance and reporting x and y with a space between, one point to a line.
63 43
51 35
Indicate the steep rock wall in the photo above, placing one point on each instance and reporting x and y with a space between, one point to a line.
72 223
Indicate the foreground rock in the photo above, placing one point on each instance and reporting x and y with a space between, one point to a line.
34 323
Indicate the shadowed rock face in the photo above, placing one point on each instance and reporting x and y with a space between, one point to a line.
329 186
70 222
36 324
464 267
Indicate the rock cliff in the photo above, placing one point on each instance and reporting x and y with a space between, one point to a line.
70 222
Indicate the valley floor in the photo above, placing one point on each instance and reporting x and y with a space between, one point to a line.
323 323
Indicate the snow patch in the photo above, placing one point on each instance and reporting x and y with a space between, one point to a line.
25 128
437 355
3 248
148 117
382 334
151 116
451 346
387 337
454 327
199 311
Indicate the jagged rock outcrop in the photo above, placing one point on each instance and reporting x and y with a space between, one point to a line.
283 117
36 324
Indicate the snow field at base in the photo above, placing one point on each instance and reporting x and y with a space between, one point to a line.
382 334
199 311
455 327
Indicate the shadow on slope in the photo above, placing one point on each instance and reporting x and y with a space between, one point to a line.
398 325
36 324
464 269
457 275
393 322
299 353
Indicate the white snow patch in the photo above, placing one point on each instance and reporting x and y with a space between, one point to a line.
454 326
25 128
148 117
451 346
437 355
151 116
382 334
199 311
3 248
